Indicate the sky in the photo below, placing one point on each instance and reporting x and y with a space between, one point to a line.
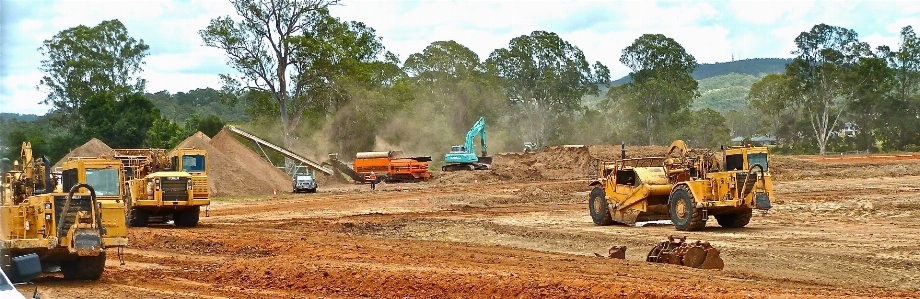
711 31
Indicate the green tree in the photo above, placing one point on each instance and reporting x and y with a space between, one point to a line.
545 77
897 128
772 96
707 129
662 86
164 133
82 61
450 85
120 124
294 51
825 56
211 125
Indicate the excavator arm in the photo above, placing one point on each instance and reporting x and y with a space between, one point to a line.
479 128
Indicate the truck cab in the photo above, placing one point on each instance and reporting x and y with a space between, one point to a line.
304 183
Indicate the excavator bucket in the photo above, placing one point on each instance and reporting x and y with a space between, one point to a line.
699 255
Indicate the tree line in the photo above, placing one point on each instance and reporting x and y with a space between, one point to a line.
310 80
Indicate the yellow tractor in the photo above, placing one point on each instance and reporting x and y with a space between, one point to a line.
72 231
687 186
163 186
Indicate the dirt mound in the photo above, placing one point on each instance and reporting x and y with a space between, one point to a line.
198 140
92 148
238 170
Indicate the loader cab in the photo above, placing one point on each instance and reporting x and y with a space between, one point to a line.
104 175
191 163
627 177
741 159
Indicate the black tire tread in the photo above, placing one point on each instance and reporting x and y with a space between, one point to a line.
735 220
598 194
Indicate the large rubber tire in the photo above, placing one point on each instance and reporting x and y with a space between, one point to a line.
736 220
597 205
684 215
84 268
188 217
138 217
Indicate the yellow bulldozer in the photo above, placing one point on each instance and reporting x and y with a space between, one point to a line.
687 186
72 231
164 186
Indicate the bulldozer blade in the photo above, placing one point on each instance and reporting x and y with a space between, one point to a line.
694 257
87 242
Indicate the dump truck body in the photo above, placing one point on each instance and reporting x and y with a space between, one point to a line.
687 187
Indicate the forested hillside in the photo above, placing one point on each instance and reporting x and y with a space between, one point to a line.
724 93
756 67
17 116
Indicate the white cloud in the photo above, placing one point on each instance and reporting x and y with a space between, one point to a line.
20 94
711 31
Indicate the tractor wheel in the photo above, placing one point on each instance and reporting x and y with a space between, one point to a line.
683 213
597 204
138 217
187 218
736 220
84 267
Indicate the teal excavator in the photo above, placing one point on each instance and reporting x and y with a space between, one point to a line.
463 157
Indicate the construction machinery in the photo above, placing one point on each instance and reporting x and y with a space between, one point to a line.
291 168
687 186
165 186
389 166
530 147
72 231
392 166
463 157
701 255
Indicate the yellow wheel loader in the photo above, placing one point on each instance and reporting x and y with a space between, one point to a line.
687 186
72 231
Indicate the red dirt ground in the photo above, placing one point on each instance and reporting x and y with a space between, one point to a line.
839 228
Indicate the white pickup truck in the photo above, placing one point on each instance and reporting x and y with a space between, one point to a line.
304 183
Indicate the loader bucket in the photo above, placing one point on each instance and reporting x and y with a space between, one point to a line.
699 255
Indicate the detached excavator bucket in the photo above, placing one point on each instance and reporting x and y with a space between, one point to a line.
699 255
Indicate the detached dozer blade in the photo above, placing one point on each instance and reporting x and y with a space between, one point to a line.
699 254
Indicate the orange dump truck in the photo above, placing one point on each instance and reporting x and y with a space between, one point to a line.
392 166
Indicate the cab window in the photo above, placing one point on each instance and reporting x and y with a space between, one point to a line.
193 163
758 158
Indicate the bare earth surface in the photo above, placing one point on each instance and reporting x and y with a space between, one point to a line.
839 228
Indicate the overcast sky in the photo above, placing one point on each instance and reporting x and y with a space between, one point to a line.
712 31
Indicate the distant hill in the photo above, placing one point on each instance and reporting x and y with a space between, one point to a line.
725 92
755 67
17 116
